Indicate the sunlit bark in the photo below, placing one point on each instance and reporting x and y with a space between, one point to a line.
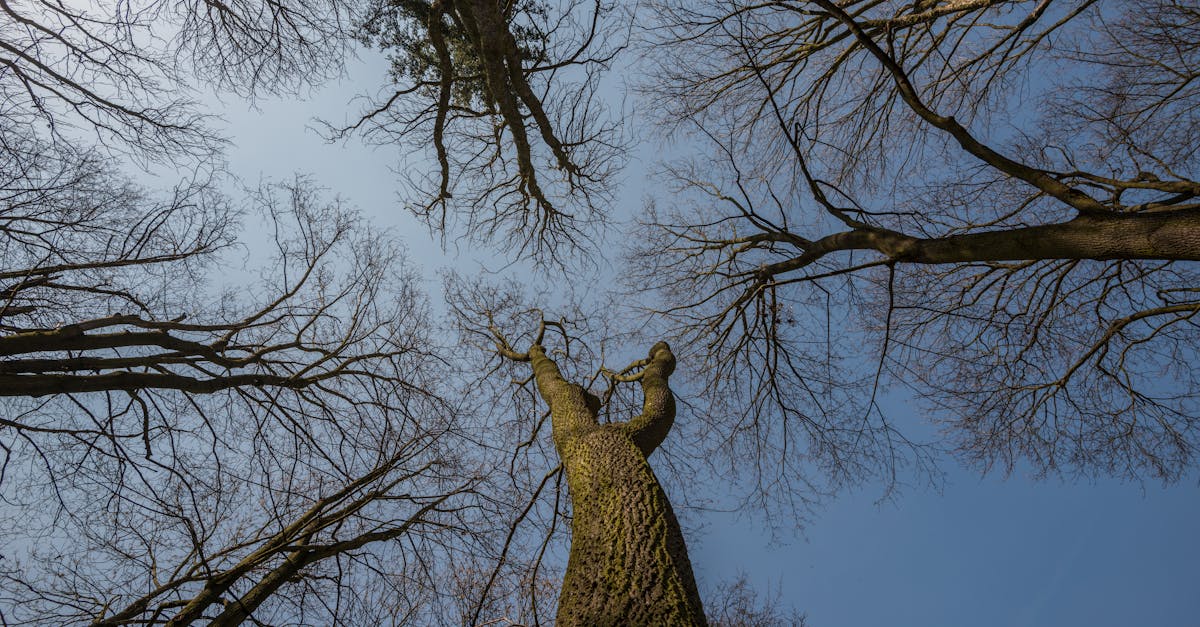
628 563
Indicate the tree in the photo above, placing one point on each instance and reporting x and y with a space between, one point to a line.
1028 274
876 174
504 94
628 561
177 447
1001 196
192 467
116 72
736 604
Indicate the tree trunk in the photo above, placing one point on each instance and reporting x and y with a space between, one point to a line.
628 563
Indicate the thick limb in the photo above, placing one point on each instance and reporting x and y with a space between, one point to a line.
650 428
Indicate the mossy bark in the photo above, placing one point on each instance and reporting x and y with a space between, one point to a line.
628 563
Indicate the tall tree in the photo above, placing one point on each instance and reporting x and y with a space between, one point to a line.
1028 270
504 93
182 442
879 178
118 72
628 563
1000 199
191 465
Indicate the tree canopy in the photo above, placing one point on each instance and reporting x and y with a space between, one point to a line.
1001 196
990 204
183 437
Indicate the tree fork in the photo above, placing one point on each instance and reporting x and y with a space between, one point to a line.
628 563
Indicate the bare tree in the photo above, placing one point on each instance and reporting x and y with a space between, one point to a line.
878 178
182 441
998 199
504 95
213 465
628 562
120 71
735 603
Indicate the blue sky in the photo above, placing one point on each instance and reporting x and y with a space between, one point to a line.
985 552
990 551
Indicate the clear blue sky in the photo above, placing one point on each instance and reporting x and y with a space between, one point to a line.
986 552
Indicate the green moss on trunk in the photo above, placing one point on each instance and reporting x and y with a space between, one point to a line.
628 563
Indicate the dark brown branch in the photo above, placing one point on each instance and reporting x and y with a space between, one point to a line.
1038 178
1174 235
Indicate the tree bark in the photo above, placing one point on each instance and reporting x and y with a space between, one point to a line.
628 563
